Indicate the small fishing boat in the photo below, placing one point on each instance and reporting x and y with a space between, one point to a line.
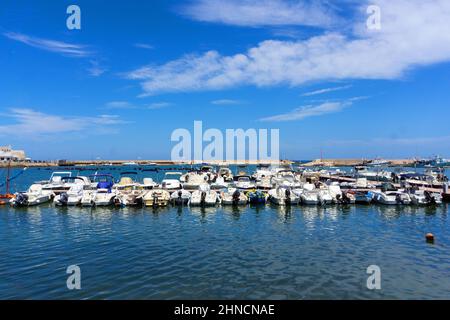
325 196
204 196
219 184
283 196
362 197
244 182
392 198
156 198
128 192
233 196
73 196
193 180
171 181
257 197
57 182
308 194
226 174
265 183
34 196
148 184
103 194
425 198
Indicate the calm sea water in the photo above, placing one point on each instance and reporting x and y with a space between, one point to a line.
222 253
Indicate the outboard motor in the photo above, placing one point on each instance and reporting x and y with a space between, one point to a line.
236 196
398 199
288 196
430 199
180 198
21 199
345 199
63 198
339 199
155 199
203 197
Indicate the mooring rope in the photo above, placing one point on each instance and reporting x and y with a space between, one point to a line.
13 177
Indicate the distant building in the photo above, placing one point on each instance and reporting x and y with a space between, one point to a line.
8 154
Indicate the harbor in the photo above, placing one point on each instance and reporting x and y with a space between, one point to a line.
283 183
223 251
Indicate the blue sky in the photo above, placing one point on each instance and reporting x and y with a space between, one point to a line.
117 88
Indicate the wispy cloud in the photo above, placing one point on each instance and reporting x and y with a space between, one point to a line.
326 90
95 69
64 48
159 105
129 105
33 124
310 111
414 33
256 13
143 46
222 102
120 105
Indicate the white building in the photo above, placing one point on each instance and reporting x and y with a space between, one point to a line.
8 154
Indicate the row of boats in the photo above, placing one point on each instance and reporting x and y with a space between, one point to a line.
208 187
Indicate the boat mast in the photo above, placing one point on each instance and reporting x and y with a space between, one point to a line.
7 176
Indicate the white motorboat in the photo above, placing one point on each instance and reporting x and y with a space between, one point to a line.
56 183
74 195
35 195
103 195
325 196
287 179
226 174
283 196
219 184
129 197
233 196
424 198
171 181
378 175
193 180
180 197
244 182
309 195
156 198
148 184
263 171
265 183
391 197
204 196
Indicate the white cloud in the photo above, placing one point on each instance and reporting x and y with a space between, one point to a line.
95 69
143 46
34 124
159 105
261 12
119 105
326 90
309 111
68 49
414 33
222 102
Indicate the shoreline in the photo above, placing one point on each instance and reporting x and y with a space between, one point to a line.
313 163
